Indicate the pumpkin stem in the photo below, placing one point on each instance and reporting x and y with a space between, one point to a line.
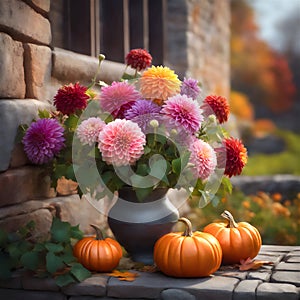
99 234
188 226
229 217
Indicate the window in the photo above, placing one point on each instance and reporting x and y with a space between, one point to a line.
111 27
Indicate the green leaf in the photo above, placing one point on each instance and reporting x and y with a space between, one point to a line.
64 279
55 248
3 238
176 165
80 272
30 260
44 114
53 262
143 193
76 233
14 250
60 231
71 122
227 184
6 266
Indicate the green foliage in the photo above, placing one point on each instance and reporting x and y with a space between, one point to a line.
52 257
286 162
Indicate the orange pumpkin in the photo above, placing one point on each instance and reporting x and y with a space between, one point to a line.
238 240
98 254
187 254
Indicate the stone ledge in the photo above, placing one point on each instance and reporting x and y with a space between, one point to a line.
224 284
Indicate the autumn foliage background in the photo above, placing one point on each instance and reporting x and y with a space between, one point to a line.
265 101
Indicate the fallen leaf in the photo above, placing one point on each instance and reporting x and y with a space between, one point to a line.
250 264
66 186
123 276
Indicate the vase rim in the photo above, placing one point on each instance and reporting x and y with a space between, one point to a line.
128 194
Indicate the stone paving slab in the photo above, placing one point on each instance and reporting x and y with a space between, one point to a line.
281 280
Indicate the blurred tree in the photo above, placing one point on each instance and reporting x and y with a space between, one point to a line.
257 70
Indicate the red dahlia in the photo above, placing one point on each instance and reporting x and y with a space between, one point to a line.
138 59
236 156
70 98
218 105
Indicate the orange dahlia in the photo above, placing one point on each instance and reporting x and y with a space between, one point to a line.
159 83
217 105
235 154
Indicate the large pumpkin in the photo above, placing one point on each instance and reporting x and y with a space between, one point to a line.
238 240
187 254
98 254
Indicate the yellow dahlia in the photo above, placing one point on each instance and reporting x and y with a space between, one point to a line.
159 83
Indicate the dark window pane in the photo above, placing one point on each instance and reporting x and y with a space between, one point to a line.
136 24
111 33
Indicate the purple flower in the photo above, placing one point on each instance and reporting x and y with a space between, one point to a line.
142 112
190 88
43 140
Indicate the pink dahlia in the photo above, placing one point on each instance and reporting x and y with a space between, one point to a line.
138 59
71 98
88 131
121 142
204 159
43 140
183 111
217 105
114 96
233 155
190 88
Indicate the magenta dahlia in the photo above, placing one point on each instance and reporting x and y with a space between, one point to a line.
183 111
217 105
204 159
88 131
121 142
138 59
43 140
114 96
71 98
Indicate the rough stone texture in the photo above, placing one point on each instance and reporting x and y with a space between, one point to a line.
264 275
93 286
38 66
12 114
176 294
12 82
39 284
18 156
288 266
43 5
197 42
20 20
147 286
287 185
42 219
273 291
79 211
22 184
246 290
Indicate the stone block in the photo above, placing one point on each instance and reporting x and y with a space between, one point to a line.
43 5
264 275
42 219
18 156
246 290
92 286
22 184
32 295
176 294
39 284
150 285
76 210
288 266
13 113
24 22
276 291
38 66
291 277
12 80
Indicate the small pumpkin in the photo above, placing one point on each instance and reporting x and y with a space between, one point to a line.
238 240
98 254
187 254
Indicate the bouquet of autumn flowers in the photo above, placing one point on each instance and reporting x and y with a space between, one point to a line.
146 131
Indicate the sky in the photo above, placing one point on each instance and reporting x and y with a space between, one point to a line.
270 12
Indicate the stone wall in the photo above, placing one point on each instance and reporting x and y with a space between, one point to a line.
32 70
